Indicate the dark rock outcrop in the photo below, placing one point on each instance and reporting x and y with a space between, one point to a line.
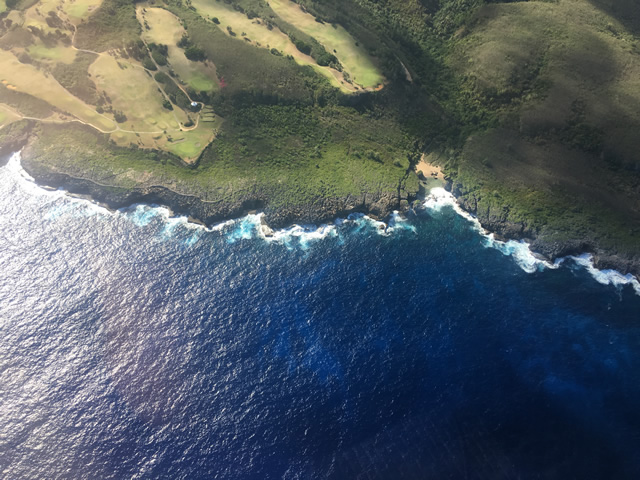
323 210
13 138
319 210
544 242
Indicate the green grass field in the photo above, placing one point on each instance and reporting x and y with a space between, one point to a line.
3 6
189 145
165 28
78 10
337 40
74 10
200 82
7 116
28 79
148 124
58 54
260 36
130 86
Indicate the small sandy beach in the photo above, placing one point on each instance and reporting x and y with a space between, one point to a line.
429 170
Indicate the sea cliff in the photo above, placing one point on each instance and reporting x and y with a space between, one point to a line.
318 210
281 209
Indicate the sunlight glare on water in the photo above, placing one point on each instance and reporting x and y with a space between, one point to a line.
136 345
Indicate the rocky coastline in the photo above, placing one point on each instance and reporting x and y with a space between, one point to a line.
543 244
320 210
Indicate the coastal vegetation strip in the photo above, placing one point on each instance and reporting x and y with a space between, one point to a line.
293 158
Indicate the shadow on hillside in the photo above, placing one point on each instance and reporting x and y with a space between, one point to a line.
626 12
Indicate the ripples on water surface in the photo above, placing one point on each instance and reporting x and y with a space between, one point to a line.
134 345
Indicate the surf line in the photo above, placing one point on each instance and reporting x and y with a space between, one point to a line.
520 251
302 236
252 225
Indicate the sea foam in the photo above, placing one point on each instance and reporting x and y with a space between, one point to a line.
304 236
26 181
439 198
520 251
605 277
79 206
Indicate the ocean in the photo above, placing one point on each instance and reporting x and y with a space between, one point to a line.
136 345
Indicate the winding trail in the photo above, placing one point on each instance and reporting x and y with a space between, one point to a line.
117 128
164 94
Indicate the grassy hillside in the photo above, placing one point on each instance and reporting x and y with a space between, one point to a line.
112 25
532 107
562 80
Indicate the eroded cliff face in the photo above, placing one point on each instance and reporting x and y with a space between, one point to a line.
319 210
322 209
544 240
13 138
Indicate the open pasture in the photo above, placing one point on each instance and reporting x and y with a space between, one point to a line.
74 11
254 29
185 144
260 36
36 15
133 92
165 28
7 116
188 145
148 125
58 54
78 10
337 40
28 79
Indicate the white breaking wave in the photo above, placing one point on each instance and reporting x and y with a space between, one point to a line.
28 184
520 251
605 277
26 181
245 228
297 236
397 223
302 236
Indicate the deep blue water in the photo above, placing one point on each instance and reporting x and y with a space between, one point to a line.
134 345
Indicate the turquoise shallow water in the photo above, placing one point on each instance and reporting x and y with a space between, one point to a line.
136 345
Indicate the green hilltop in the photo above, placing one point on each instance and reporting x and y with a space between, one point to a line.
530 108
